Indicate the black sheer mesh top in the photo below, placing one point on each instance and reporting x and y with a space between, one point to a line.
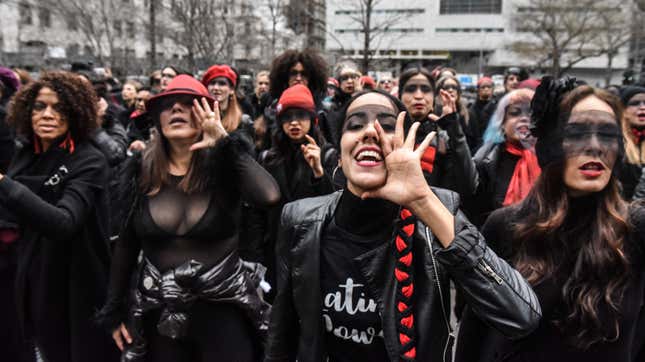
173 227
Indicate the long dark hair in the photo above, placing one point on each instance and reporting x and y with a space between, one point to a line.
549 236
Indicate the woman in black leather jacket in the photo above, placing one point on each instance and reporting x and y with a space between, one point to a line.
190 298
363 273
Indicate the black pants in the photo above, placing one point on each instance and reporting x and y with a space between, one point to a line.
216 332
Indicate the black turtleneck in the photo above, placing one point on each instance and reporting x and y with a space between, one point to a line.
364 217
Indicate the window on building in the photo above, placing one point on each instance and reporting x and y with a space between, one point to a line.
130 29
470 7
24 10
44 18
72 23
118 30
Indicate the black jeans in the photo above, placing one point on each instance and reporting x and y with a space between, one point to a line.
217 332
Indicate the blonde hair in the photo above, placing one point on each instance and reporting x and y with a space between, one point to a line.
633 151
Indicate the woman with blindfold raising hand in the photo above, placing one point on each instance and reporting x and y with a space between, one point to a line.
191 298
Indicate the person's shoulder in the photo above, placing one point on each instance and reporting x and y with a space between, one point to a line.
637 217
502 218
308 210
87 152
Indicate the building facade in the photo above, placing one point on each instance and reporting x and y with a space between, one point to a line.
473 36
39 34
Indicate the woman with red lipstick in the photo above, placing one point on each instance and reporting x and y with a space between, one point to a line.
54 216
190 298
632 176
363 273
299 161
447 162
573 238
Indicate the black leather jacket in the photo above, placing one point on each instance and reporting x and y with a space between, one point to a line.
495 291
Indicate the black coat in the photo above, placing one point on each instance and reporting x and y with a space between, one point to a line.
498 293
263 223
58 200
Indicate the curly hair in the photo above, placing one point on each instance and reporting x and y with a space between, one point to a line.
76 97
315 69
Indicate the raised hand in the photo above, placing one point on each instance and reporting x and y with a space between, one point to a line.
405 183
448 102
311 152
210 123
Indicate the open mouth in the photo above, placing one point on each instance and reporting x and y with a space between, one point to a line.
369 156
592 166
592 169
641 115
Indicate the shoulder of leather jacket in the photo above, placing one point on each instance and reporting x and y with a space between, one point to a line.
310 209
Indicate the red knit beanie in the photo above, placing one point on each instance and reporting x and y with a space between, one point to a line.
298 96
216 71
483 80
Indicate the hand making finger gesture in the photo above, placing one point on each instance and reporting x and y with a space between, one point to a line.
210 123
405 183
311 152
448 102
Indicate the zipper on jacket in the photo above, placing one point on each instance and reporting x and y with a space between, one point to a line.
487 270
446 318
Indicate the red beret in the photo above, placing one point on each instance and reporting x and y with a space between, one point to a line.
298 96
530 83
216 71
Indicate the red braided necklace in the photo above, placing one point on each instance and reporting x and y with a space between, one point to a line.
404 273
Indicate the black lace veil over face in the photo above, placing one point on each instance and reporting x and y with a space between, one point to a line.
594 133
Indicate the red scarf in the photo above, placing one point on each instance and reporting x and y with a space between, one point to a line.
427 160
639 134
526 172
67 144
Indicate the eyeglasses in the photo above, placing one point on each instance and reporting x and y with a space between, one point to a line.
296 73
450 87
636 103
346 77
413 88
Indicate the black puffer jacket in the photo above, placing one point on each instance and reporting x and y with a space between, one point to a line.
497 293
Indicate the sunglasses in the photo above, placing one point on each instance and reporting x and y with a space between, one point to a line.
412 88
295 73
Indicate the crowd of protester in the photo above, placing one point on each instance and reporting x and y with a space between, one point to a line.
325 216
